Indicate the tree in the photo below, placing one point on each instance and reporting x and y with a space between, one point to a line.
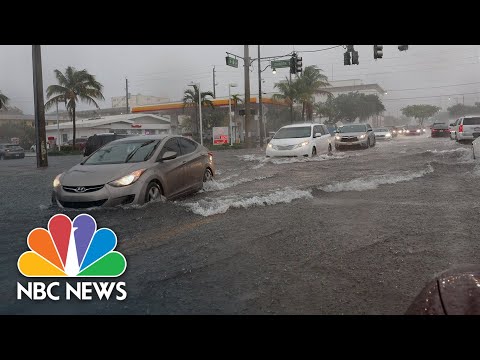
460 109
74 86
420 112
3 100
190 99
349 107
310 82
289 92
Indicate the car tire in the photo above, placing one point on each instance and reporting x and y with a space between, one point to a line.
368 144
314 151
337 147
154 191
473 151
2 157
207 175
329 148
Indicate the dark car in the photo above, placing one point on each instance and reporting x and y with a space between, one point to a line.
79 143
440 130
96 141
413 130
11 151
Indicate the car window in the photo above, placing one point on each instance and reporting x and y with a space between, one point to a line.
471 121
187 146
325 129
171 145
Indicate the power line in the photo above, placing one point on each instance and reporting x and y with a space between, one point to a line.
324 49
434 87
433 96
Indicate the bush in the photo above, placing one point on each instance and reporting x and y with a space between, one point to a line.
65 150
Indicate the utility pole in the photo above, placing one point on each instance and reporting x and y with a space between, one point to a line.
463 99
58 128
260 109
126 95
40 132
291 106
248 125
214 82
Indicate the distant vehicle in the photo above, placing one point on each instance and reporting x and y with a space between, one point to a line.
300 140
135 170
476 148
34 147
440 130
382 134
79 143
467 128
355 135
452 128
96 141
393 130
11 151
413 130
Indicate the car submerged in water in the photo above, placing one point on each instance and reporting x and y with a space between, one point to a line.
354 135
300 140
135 170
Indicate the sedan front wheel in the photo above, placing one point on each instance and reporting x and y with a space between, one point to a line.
153 192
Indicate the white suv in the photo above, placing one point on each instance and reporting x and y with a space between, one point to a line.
300 140
467 128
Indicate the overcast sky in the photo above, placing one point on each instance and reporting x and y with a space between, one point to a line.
429 74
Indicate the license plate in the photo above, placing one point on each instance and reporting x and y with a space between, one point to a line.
476 129
440 130
17 155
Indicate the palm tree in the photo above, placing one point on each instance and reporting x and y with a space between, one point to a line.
310 82
3 100
190 99
74 86
289 91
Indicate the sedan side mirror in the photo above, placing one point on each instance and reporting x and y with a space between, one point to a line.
169 155
452 124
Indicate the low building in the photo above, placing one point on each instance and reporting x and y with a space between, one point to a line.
29 120
137 100
134 124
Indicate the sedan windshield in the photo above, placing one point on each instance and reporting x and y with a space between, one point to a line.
352 128
381 130
440 126
294 132
122 152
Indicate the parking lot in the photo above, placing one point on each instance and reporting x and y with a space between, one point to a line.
355 232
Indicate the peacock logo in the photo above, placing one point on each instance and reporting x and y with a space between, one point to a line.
72 249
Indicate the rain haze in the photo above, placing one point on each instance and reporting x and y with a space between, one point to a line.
440 75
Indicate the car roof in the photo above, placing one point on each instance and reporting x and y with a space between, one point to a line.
144 137
298 125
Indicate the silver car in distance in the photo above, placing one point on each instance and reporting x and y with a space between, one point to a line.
135 170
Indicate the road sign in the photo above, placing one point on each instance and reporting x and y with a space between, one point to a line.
233 62
220 135
276 64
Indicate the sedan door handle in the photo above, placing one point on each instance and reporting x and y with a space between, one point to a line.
184 161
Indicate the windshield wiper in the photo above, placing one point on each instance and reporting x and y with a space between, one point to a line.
134 151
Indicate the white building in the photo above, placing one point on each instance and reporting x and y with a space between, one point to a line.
137 100
139 124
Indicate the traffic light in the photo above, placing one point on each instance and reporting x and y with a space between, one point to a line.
293 64
377 51
298 64
346 58
354 57
403 47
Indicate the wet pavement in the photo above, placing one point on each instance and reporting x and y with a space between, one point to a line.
355 232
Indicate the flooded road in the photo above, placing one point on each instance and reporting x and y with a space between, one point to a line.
355 232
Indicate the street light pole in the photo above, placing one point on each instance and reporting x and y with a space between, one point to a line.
260 110
230 114
40 132
200 113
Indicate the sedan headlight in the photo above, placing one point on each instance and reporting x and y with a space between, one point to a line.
337 137
56 181
127 179
407 131
388 135
418 130
363 136
270 146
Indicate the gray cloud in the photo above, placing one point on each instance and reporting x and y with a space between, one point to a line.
166 70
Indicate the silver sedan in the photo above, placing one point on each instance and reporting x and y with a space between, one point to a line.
135 170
